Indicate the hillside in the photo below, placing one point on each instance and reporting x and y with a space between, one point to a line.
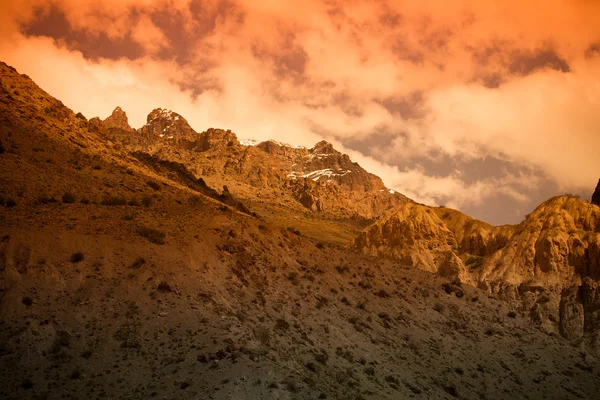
127 273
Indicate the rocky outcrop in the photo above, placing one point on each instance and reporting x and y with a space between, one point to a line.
118 120
548 266
415 235
596 195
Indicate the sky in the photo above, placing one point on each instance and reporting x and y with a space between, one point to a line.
490 107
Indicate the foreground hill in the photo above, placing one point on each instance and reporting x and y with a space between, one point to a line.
124 275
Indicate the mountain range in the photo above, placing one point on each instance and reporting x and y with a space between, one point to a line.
165 262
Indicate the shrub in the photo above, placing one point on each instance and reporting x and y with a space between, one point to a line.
146 201
27 384
282 324
311 366
164 287
85 201
293 230
27 301
153 235
114 201
46 200
382 293
68 198
320 245
322 302
76 257
342 268
134 203
10 203
153 185
293 277
322 357
138 263
439 307
512 314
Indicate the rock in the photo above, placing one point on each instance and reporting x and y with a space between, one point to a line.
596 195
117 120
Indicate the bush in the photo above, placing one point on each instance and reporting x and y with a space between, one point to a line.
293 277
114 201
512 314
164 287
27 301
138 263
153 185
134 203
68 198
10 203
146 201
281 324
46 200
293 230
153 235
76 257
85 201
439 307
322 302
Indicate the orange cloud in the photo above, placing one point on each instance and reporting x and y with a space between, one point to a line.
467 79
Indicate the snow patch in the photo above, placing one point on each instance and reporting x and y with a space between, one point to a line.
281 144
318 174
249 142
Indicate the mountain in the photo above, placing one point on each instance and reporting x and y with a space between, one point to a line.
126 273
280 181
549 265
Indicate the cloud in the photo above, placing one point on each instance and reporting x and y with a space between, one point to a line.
416 82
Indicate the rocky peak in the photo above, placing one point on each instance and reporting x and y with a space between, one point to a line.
596 195
324 147
117 120
214 138
167 124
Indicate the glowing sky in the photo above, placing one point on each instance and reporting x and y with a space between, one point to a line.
486 106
